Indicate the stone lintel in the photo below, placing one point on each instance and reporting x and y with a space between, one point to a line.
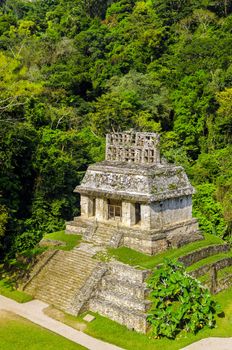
97 193
134 197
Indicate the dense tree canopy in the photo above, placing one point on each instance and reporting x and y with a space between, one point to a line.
70 71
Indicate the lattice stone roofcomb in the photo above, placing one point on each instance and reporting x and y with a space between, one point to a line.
133 147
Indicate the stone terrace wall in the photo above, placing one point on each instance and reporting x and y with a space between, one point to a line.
202 253
122 296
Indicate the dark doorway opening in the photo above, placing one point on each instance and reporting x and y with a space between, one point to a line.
94 206
137 213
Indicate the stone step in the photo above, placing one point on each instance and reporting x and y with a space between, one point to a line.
76 254
55 282
52 295
62 276
203 253
103 234
49 295
59 276
123 300
101 240
131 319
68 273
74 264
71 261
38 288
134 290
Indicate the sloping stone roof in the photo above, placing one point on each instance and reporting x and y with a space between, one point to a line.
135 182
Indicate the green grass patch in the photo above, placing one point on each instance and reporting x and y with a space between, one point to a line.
209 260
7 290
70 241
114 333
18 333
110 331
134 258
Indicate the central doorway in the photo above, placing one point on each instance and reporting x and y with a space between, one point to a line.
114 210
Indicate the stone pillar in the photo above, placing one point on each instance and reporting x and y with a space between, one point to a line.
101 209
84 205
145 217
87 206
128 214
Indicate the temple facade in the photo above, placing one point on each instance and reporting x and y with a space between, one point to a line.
138 199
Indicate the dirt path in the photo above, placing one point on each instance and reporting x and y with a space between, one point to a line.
33 311
211 344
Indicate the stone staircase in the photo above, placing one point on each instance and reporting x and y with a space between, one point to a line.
98 233
62 277
74 281
121 296
106 235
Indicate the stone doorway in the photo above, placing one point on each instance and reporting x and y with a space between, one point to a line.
114 210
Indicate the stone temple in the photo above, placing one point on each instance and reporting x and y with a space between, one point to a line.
131 199
135 199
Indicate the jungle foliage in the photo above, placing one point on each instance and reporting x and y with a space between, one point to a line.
70 71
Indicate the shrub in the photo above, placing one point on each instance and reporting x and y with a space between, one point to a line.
179 302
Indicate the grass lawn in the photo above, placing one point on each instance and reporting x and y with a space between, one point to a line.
70 241
21 334
16 333
8 291
110 331
132 257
